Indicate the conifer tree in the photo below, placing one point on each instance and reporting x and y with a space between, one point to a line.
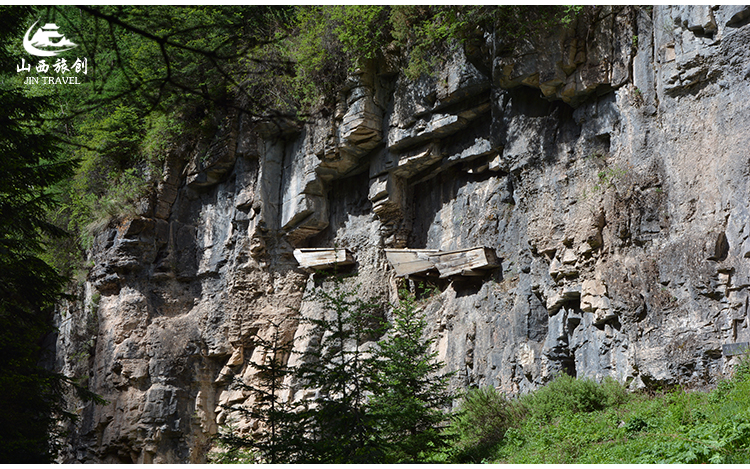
278 440
410 395
340 371
32 398
382 404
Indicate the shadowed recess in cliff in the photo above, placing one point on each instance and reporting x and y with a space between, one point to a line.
455 200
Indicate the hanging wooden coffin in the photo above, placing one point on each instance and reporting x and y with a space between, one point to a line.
322 258
410 261
467 262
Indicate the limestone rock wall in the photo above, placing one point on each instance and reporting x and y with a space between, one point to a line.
606 164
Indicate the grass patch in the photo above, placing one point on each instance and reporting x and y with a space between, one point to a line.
573 421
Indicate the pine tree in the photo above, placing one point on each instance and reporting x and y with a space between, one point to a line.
410 395
340 371
282 422
382 404
32 398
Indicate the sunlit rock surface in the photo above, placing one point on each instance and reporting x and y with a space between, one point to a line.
609 171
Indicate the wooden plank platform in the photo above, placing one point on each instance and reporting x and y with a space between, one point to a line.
466 262
322 258
410 261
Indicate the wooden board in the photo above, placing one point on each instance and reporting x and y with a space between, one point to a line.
464 261
738 348
322 258
410 261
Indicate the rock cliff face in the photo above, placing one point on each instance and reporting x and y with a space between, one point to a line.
607 166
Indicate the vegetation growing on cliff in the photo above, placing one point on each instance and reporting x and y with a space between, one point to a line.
567 421
159 74
360 403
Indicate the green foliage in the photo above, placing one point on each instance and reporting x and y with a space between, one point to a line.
428 32
360 29
161 131
726 443
482 421
702 427
231 449
567 395
33 398
158 73
331 424
329 42
155 74
410 395
172 58
579 421
607 176
381 404
117 139
339 428
488 425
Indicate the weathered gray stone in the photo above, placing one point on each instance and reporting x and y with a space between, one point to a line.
459 80
412 162
698 19
617 204
733 15
570 68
